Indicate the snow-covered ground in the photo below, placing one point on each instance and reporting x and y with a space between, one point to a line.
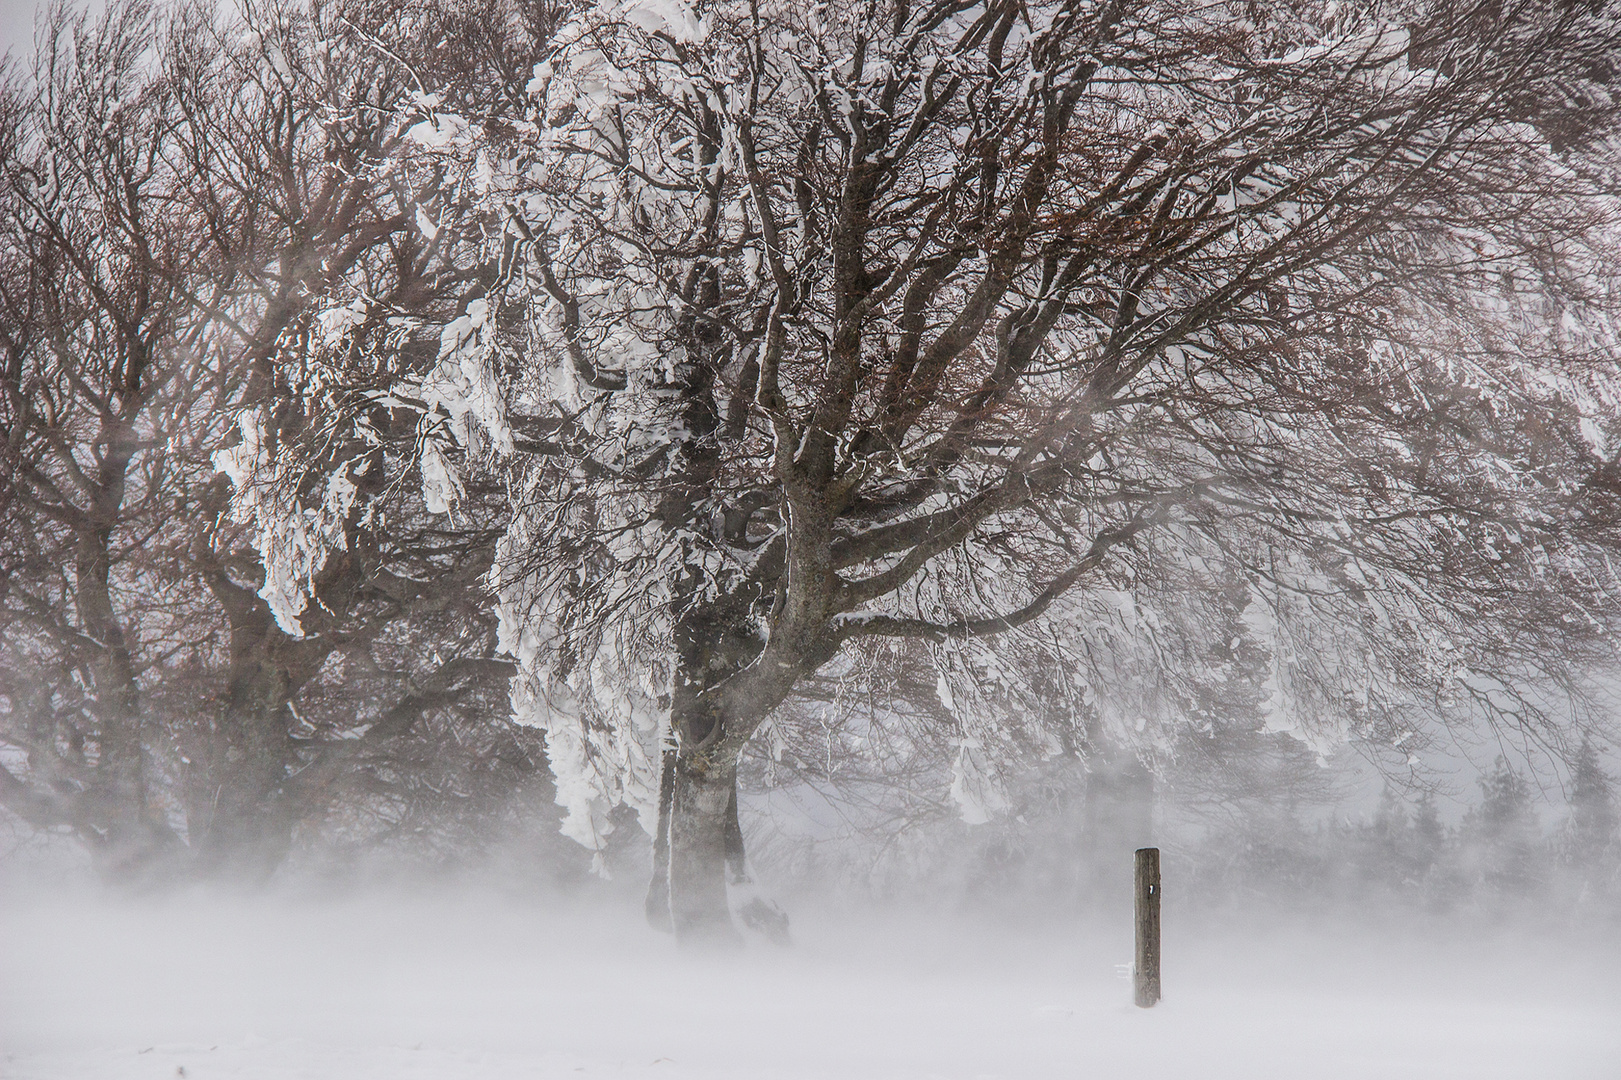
446 988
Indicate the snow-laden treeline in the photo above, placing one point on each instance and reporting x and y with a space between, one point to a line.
1133 387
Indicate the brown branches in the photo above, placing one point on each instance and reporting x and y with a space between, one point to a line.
860 625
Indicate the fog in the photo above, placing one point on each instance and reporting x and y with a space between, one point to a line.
908 458
1328 941
474 979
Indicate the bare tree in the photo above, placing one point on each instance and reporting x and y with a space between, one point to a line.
183 203
98 246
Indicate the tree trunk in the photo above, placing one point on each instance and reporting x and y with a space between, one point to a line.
658 890
737 863
1118 819
136 848
240 808
1120 804
244 825
129 838
130 841
700 815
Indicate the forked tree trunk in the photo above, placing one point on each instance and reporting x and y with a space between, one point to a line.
698 848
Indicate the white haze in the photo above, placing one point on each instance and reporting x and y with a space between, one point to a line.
463 983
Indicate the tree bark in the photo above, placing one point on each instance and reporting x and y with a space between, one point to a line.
243 823
700 804
737 863
129 839
658 890
240 813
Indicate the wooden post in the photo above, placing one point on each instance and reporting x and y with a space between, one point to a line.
1145 973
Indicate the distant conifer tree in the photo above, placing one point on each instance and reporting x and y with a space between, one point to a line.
1591 847
1502 833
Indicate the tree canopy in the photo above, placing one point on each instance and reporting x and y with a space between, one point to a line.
1122 364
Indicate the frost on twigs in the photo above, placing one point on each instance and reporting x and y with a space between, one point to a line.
463 383
461 398
972 789
599 691
294 536
1143 368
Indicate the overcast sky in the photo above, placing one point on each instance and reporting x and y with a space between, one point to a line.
16 25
